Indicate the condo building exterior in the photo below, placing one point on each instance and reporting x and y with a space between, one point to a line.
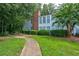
45 23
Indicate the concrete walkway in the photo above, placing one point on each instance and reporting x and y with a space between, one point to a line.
31 48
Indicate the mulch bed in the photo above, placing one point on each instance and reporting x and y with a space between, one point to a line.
73 38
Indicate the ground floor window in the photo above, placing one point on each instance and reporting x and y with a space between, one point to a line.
44 28
48 27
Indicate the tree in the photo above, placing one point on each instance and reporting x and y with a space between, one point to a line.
68 15
44 10
48 9
51 8
12 16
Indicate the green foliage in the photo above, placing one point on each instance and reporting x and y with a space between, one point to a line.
32 32
43 32
11 46
26 32
47 9
59 33
4 33
12 16
51 8
37 32
67 15
53 46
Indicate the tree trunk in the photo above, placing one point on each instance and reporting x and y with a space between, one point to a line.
69 30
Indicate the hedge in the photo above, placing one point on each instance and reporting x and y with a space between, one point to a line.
43 32
26 32
33 32
4 33
58 33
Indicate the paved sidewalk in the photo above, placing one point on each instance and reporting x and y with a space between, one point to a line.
31 48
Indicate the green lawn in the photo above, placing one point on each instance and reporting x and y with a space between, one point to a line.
11 47
52 46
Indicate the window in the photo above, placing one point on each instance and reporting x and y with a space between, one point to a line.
44 27
40 27
48 19
40 20
48 27
44 19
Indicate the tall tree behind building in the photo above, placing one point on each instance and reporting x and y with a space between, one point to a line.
47 9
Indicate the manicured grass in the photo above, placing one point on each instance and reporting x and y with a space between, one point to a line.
52 46
11 46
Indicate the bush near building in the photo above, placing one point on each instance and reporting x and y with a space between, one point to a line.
26 32
58 33
43 32
33 32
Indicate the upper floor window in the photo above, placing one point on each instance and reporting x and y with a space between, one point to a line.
44 19
48 19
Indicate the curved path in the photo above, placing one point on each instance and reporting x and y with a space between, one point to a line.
31 47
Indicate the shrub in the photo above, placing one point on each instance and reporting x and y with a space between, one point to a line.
34 32
26 32
43 32
4 33
59 33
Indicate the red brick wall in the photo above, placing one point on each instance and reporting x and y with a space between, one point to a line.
35 20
